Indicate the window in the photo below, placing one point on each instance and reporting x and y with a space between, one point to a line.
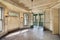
1 18
13 14
25 19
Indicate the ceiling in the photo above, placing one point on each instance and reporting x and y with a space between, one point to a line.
35 5
38 4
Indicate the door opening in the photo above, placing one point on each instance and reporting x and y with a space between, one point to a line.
41 20
38 20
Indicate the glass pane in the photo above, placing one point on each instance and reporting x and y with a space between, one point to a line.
0 25
1 19
25 19
34 18
13 14
0 13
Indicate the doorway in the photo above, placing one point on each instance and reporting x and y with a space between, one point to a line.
41 19
35 20
38 19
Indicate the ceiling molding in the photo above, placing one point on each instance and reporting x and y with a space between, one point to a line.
47 5
16 3
37 6
54 4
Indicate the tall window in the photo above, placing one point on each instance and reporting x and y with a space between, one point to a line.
1 18
25 19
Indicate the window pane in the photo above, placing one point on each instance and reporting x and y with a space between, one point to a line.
0 13
1 16
0 25
25 19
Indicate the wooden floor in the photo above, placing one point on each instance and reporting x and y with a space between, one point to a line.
32 34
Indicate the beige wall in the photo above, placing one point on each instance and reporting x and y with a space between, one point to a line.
51 20
59 20
56 13
47 19
21 19
13 23
55 21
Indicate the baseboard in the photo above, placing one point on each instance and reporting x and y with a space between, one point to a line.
46 29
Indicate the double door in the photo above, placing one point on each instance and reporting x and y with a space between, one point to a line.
38 19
